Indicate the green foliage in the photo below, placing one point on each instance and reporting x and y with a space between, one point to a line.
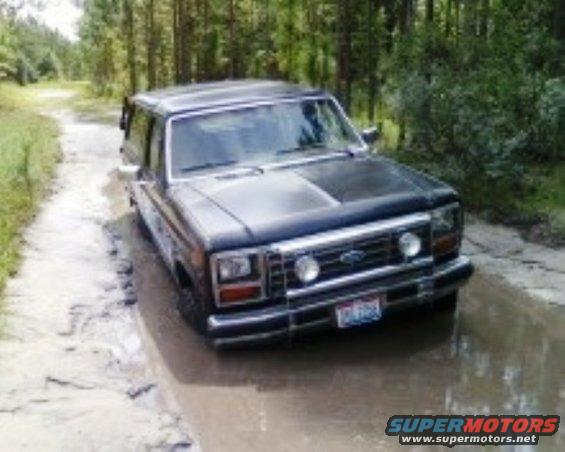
546 197
29 51
28 153
551 110
482 107
471 90
100 43
50 66
7 50
25 72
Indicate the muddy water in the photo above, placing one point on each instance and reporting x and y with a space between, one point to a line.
500 352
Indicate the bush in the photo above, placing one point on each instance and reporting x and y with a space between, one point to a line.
50 67
480 110
25 72
551 110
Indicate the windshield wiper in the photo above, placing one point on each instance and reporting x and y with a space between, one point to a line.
208 165
348 151
309 147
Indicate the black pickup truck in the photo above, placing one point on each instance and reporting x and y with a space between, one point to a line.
275 217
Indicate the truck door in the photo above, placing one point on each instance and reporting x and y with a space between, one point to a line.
154 190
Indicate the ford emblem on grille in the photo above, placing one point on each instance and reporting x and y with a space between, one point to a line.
352 257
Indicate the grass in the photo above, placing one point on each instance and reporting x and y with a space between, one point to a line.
89 106
29 152
547 197
81 100
389 131
538 211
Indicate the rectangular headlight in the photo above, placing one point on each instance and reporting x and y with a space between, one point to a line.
238 276
234 267
446 220
447 223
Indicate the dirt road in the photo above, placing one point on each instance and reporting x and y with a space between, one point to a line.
499 353
73 371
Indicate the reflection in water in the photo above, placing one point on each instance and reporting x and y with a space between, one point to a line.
497 354
510 358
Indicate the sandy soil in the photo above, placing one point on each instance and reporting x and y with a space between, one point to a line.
537 270
73 373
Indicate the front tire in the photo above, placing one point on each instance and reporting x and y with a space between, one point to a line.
142 225
193 310
448 303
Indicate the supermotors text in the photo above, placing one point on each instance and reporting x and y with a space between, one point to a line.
451 430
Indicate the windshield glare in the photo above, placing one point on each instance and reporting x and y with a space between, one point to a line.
259 134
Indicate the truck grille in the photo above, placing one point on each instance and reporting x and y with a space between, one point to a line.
378 251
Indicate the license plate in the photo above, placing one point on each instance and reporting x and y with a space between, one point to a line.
359 312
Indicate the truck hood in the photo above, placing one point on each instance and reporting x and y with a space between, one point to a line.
254 208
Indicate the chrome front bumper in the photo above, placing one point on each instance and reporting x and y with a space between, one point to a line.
315 312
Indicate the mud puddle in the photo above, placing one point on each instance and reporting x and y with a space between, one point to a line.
499 353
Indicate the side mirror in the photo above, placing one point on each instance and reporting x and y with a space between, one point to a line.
370 135
125 113
129 173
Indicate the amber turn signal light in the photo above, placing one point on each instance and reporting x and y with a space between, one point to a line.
239 293
446 244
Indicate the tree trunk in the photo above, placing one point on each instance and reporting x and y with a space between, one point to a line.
185 41
343 79
206 58
312 63
559 24
372 59
448 18
289 34
163 75
130 45
406 17
232 39
199 44
326 56
485 12
457 19
470 17
176 46
401 133
272 67
430 11
428 76
390 24
150 30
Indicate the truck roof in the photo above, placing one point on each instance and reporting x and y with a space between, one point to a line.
197 96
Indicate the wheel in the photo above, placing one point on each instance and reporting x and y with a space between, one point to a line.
142 225
193 310
447 303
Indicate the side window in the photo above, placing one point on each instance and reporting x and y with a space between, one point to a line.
156 154
138 133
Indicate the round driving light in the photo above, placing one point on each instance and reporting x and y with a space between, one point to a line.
410 244
307 269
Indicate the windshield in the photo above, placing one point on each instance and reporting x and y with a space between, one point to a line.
258 135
